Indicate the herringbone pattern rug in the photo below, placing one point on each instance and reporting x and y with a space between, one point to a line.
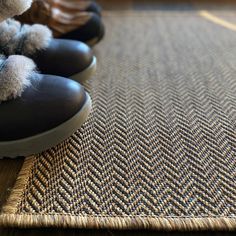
159 149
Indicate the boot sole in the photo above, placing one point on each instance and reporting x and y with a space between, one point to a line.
86 73
46 140
93 42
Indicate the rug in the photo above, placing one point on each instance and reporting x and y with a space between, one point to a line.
159 149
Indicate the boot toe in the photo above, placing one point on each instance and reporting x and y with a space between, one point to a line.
95 8
64 58
91 32
47 103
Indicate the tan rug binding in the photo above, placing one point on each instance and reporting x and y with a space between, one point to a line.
159 149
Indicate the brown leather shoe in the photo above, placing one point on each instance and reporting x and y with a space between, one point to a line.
72 19
76 6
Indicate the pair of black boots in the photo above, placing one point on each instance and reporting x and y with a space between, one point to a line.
38 111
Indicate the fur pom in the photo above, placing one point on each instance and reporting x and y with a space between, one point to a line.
38 37
8 30
23 40
15 76
10 8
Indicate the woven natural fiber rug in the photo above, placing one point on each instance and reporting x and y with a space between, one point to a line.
159 149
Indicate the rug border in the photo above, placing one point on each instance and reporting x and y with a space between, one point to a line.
9 218
10 207
118 223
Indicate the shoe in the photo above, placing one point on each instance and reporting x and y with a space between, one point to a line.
91 32
37 111
76 5
65 58
66 21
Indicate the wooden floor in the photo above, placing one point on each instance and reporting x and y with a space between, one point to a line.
166 4
10 168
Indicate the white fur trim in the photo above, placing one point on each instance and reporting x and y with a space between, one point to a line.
15 76
35 37
8 30
38 38
10 8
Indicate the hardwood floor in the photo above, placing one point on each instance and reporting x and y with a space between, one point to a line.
9 169
166 4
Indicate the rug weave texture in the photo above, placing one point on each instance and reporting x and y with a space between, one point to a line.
159 149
